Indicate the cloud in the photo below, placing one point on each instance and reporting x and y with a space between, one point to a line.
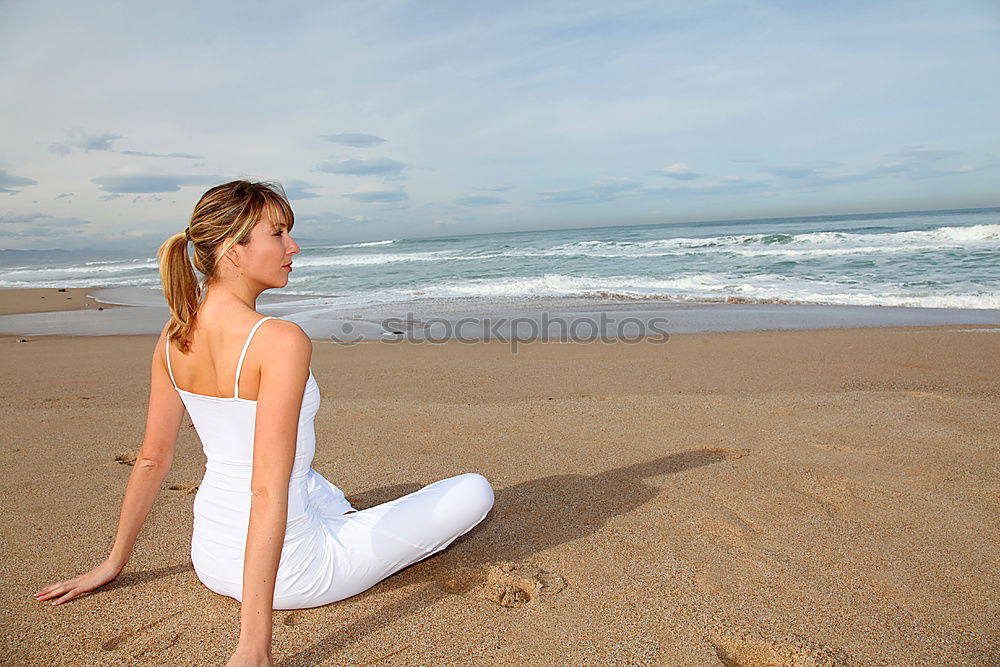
182 156
379 166
915 162
325 222
891 168
481 200
296 190
501 187
355 140
726 185
841 179
22 218
801 169
39 225
681 172
444 220
376 195
64 195
516 160
919 152
938 173
87 140
9 181
40 232
96 141
149 183
919 162
601 190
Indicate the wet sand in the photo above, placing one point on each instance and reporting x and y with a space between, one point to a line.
768 498
46 299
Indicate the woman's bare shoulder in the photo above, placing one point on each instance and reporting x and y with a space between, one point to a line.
286 336
283 329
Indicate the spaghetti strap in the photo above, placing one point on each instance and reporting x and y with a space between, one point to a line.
170 370
246 345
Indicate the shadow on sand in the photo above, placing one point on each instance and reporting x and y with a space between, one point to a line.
127 579
526 519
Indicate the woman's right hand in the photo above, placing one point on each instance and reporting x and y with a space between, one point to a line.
250 657
64 591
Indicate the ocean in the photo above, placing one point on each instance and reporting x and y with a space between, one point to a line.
940 259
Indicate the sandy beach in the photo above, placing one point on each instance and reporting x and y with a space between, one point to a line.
48 299
789 498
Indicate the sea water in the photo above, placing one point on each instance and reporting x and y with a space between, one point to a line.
940 259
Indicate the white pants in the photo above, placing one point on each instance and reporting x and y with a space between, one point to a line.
379 541
335 556
331 551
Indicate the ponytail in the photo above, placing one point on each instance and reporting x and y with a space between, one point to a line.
223 217
180 287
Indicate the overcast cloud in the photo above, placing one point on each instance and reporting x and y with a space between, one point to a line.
356 140
149 183
395 119
12 184
379 166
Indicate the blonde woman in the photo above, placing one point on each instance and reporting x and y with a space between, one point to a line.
268 529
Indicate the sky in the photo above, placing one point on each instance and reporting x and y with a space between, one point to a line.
403 119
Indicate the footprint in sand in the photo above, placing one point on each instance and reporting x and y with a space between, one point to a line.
505 584
755 649
146 639
728 454
189 487
924 394
158 644
127 458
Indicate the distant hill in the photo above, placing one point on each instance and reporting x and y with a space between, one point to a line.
56 256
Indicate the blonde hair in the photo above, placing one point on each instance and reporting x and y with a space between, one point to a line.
223 217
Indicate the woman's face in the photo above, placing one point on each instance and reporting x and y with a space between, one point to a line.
267 258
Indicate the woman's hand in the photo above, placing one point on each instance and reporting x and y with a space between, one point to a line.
163 421
64 591
250 657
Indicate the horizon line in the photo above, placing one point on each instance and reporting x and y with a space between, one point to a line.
786 218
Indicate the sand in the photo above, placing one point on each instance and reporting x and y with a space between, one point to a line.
772 498
42 300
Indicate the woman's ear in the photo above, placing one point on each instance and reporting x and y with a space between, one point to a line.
232 255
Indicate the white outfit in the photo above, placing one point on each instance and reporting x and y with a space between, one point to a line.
330 552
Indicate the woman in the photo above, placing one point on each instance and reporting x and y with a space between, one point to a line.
268 529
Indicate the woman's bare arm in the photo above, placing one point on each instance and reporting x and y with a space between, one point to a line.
283 377
163 421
